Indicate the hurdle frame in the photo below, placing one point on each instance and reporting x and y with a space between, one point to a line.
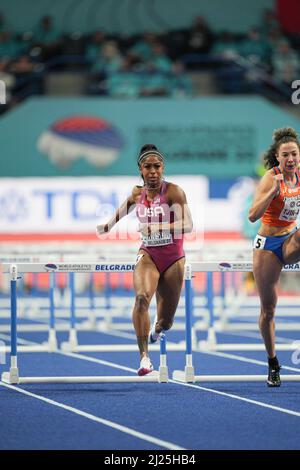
13 375
188 374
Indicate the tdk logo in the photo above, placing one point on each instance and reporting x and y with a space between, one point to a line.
114 267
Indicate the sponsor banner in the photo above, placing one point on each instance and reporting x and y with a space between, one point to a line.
248 266
238 267
70 267
77 205
216 137
88 268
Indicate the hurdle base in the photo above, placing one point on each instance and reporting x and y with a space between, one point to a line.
163 374
153 378
51 344
188 375
72 344
11 377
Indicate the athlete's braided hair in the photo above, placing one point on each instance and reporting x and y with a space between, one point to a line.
280 136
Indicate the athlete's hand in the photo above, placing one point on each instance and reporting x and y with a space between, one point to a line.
276 182
144 229
102 228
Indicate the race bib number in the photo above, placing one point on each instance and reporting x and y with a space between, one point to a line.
291 209
259 242
158 239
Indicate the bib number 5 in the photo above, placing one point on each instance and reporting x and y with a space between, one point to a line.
259 242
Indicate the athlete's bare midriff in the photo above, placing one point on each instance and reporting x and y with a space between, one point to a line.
272 231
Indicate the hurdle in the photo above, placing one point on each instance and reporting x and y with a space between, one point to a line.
13 376
51 344
72 344
188 374
211 344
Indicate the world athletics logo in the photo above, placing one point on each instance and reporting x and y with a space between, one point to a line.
91 138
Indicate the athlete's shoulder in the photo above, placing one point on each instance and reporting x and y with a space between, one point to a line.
175 192
173 187
269 174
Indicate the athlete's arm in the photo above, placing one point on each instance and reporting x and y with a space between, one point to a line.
183 222
266 191
121 212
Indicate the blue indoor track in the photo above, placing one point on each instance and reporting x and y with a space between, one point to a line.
149 416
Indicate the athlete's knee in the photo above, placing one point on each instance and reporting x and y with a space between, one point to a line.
267 312
165 324
142 301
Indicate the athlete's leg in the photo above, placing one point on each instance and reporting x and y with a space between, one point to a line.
168 295
266 270
145 279
291 248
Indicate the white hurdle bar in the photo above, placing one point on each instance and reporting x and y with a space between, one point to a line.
188 374
211 344
13 376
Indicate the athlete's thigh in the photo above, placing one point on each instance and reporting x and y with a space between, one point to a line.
169 288
145 275
266 270
291 248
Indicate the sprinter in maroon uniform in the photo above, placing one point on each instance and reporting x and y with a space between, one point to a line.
164 217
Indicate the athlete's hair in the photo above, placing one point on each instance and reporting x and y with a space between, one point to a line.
149 149
280 136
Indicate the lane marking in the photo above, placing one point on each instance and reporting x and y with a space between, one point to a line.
247 400
105 422
199 387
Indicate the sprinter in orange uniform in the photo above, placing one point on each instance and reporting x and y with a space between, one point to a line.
277 204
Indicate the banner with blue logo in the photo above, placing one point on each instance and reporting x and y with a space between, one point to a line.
218 137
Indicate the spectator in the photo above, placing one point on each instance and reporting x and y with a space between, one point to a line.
273 38
124 83
226 46
155 84
285 63
255 48
109 60
8 79
269 21
159 62
199 37
94 47
47 39
180 83
9 47
142 50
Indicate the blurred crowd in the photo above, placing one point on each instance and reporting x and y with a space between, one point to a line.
148 64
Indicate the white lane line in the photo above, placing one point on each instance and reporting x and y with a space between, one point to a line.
98 361
25 342
253 335
230 395
105 422
244 359
247 400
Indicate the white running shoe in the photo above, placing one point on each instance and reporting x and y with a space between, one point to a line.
153 336
145 366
